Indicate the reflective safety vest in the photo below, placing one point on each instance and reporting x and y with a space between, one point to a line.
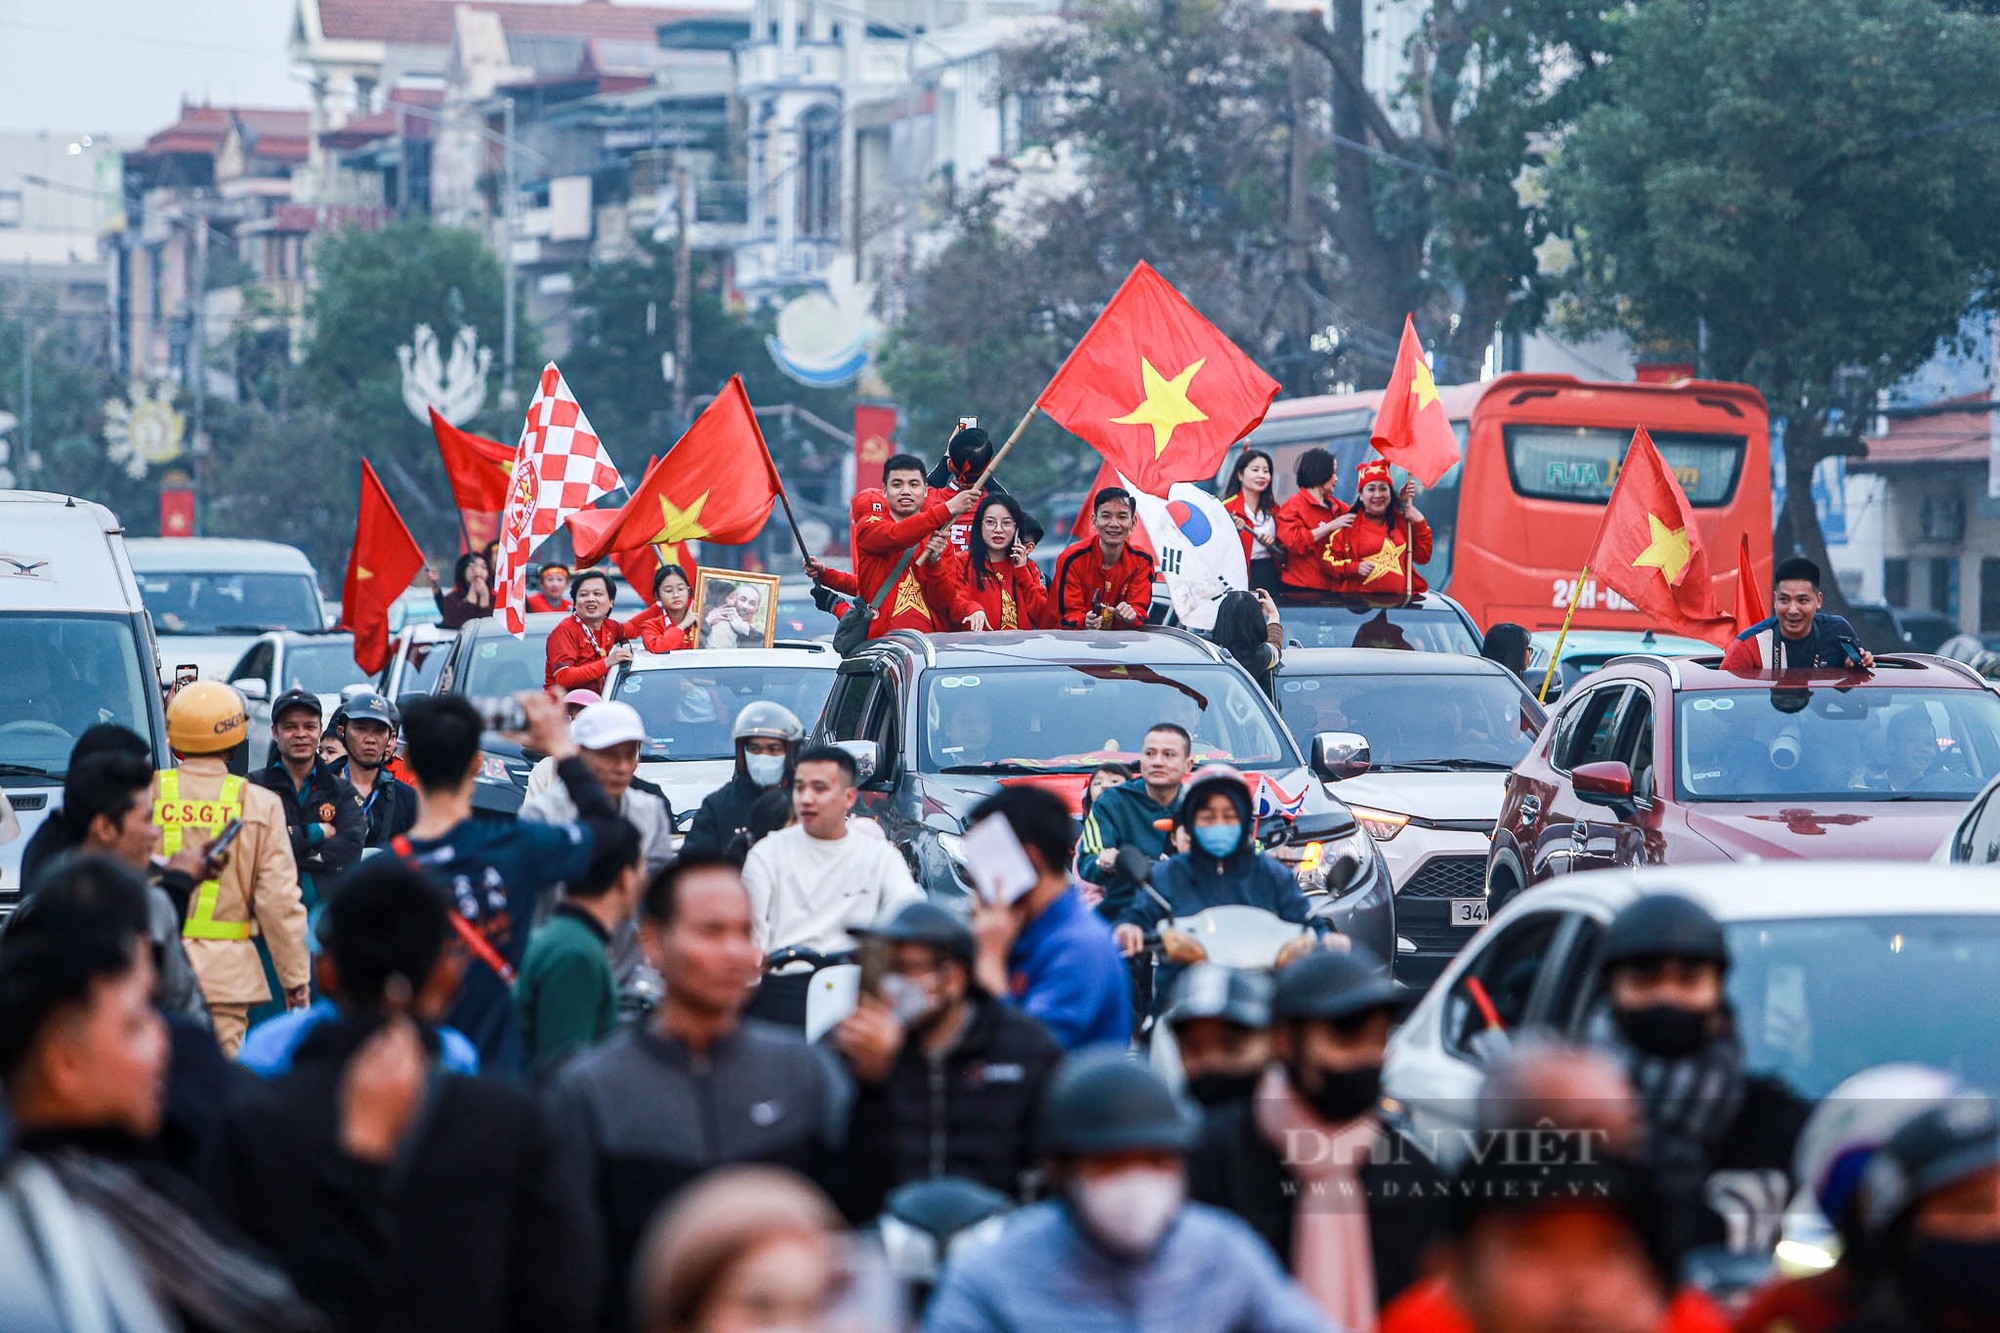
173 815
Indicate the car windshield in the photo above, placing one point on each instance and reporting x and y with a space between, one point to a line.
218 603
1836 744
689 711
323 668
422 664
1069 719
65 674
1415 721
499 663
1819 999
1429 629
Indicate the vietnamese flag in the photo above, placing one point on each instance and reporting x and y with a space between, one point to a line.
479 471
1649 549
1749 597
717 484
1411 429
1156 388
384 561
640 565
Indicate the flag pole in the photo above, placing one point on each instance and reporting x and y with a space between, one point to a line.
1556 655
985 476
791 518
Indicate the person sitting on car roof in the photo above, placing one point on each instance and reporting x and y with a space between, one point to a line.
1221 866
1389 538
1798 635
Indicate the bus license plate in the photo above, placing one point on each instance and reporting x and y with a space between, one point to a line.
1468 911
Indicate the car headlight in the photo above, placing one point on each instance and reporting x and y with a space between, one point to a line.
952 845
1380 825
1312 861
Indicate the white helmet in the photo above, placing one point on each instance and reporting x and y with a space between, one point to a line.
770 721
1855 1119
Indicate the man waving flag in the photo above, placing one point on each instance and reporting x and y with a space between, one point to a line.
1649 549
560 466
1156 388
1411 428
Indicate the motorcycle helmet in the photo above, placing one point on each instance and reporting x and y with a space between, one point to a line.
1664 925
1333 984
1104 1102
770 721
206 717
1941 1146
1853 1121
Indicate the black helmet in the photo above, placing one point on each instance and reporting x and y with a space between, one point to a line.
295 698
1105 1102
968 453
1210 990
1663 925
1333 984
924 923
1955 1139
368 707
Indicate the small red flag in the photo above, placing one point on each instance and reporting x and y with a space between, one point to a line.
1749 597
384 561
1649 548
1156 388
478 470
1411 428
717 484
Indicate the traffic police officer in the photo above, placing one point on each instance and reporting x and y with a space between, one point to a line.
258 888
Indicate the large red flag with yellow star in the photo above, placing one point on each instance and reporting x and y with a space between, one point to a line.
382 564
716 484
1411 428
1649 549
1156 388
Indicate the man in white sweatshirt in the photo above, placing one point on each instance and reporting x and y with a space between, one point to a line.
814 881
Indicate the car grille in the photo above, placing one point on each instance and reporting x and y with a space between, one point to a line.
1427 924
1447 877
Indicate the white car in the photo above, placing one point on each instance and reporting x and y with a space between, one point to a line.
1835 967
689 701
322 663
1439 732
210 597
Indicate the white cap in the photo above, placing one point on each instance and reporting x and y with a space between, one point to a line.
601 726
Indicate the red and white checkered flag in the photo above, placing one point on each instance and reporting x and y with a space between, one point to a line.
560 466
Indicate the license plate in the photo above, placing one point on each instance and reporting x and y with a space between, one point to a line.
1468 911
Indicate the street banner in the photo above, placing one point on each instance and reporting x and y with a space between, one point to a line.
1157 389
176 511
478 470
874 443
1411 428
716 484
560 466
384 561
1649 550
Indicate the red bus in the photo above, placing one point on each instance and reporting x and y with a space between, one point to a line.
1514 519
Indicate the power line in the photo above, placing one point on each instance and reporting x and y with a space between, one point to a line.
135 39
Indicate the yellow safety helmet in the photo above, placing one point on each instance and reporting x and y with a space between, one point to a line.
206 717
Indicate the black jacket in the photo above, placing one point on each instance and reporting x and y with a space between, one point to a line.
389 808
970 1112
1236 1168
477 1225
724 813
329 800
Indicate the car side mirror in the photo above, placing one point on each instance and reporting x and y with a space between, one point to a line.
251 688
1607 783
867 759
1340 754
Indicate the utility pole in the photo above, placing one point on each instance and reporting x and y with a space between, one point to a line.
683 303
197 338
508 399
27 365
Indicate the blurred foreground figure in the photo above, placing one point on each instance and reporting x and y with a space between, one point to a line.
745 1248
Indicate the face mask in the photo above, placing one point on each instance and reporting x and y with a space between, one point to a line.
1341 1095
1958 1274
1665 1030
1218 840
766 770
1214 1089
1129 1213
909 999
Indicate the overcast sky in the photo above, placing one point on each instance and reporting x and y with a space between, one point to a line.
122 66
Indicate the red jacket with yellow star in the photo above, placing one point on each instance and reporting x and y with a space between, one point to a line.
879 542
1297 518
1012 596
576 657
1392 547
1082 577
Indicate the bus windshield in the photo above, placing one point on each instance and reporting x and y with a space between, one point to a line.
1581 463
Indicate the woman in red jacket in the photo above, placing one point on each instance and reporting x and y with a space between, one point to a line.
670 622
1308 520
997 586
1380 551
1248 500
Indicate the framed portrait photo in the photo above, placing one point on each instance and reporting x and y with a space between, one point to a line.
739 609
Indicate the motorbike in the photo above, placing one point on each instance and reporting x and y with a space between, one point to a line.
832 987
927 1223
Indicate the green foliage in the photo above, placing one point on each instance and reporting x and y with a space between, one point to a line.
71 380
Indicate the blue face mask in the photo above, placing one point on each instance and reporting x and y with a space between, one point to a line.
1218 840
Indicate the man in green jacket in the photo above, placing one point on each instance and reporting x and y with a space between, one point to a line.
1139 815
565 995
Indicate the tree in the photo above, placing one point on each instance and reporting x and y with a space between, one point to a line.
71 379
1804 190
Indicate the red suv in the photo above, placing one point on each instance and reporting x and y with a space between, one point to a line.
1673 761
